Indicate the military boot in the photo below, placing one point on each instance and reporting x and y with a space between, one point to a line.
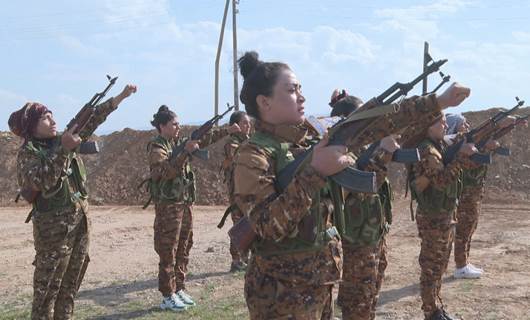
437 315
238 266
447 316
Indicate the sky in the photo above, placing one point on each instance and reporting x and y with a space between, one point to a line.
58 52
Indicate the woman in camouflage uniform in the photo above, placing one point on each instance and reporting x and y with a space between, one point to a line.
48 164
172 189
469 204
368 216
294 263
239 259
436 187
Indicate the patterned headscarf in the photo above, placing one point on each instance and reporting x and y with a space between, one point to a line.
454 121
24 121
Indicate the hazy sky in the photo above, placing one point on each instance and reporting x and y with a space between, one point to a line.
58 52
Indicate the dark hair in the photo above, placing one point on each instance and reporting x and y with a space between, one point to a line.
236 117
163 116
345 106
259 78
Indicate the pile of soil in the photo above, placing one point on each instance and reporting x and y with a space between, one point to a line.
116 172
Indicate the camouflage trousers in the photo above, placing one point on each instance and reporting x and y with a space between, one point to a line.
173 235
61 242
436 231
271 299
236 215
467 220
363 272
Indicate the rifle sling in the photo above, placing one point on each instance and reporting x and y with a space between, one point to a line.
225 215
372 113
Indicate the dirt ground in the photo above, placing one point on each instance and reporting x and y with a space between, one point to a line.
121 281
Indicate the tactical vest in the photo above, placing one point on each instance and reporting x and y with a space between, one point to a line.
433 200
179 189
475 177
311 232
71 187
367 226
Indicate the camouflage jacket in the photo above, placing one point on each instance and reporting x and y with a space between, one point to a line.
175 174
227 166
368 216
434 185
410 116
280 219
44 164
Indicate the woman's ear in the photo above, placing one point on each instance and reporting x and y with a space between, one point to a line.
263 103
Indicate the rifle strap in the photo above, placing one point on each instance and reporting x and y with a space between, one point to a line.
412 215
225 215
142 183
372 113
30 214
147 203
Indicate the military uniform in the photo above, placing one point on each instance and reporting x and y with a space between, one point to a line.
294 262
60 222
367 222
280 266
436 188
230 149
468 212
172 188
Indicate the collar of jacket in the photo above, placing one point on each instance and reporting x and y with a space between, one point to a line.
46 143
286 133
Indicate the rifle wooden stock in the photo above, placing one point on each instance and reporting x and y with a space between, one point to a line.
29 194
82 118
242 234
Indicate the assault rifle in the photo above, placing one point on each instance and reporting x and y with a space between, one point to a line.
401 155
198 134
84 115
342 133
504 151
480 135
357 122
81 119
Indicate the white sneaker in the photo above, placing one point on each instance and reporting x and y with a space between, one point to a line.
173 303
475 268
467 273
186 298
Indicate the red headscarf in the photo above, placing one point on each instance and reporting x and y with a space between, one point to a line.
24 121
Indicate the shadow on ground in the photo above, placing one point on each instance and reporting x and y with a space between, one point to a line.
117 293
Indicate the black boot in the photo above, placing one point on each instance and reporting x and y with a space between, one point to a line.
438 315
447 316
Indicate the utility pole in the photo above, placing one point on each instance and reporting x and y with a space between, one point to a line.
217 58
426 60
234 51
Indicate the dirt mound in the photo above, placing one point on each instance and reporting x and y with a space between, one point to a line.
508 177
116 172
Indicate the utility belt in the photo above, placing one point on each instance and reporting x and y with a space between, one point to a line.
323 238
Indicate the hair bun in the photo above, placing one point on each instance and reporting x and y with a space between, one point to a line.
163 108
15 122
248 62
